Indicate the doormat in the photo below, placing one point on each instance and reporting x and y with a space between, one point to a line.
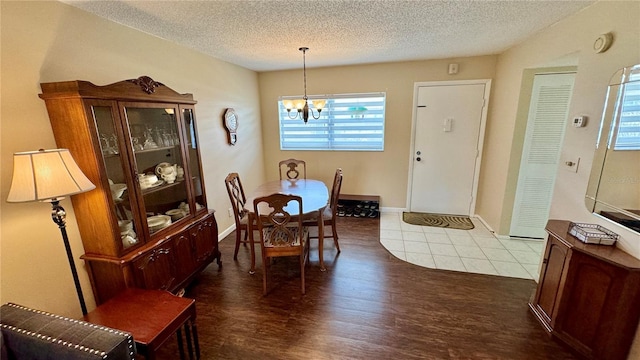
460 222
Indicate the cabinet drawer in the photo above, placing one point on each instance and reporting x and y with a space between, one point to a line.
156 270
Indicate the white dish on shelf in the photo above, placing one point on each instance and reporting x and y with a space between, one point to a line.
155 184
176 214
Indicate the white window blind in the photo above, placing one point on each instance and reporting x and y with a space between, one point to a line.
628 132
348 122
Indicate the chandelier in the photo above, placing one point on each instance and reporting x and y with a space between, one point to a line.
302 105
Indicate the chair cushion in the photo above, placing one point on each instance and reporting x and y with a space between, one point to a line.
327 214
283 237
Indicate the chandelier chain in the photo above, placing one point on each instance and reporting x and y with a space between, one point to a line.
304 69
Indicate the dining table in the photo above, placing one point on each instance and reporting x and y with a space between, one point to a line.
315 197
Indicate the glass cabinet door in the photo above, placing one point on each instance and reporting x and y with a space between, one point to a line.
116 173
159 163
194 158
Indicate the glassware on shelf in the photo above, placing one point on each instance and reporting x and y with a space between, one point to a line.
107 148
176 140
149 143
168 140
137 145
158 138
104 142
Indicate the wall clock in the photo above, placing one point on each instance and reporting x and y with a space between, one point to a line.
231 124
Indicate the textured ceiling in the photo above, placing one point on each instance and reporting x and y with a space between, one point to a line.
265 35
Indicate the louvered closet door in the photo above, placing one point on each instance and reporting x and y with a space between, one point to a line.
546 124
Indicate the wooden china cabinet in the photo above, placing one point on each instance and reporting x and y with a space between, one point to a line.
146 224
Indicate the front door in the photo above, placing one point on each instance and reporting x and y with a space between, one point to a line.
449 121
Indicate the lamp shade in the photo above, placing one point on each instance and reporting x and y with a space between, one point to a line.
46 174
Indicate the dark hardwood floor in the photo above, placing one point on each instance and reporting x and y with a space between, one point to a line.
367 305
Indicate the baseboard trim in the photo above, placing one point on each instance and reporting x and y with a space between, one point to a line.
392 210
226 232
486 225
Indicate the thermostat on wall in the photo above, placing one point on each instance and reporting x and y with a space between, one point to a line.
579 121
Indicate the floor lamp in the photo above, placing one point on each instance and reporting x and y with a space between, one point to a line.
50 175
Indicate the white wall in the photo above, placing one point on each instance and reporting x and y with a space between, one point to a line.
365 173
570 38
50 41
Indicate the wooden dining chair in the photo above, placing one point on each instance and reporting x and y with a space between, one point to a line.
291 168
281 234
329 214
240 214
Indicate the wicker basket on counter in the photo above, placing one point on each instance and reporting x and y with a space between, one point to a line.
593 234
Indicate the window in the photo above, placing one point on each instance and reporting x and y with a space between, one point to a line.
628 131
348 122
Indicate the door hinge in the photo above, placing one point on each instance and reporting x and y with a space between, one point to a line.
422 106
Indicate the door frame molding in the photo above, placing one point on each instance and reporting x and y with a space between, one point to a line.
483 122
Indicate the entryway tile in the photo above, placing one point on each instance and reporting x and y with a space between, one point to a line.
462 240
424 260
486 242
511 244
457 232
526 257
479 266
399 254
532 270
409 227
438 238
390 225
391 234
537 246
499 254
392 244
449 263
433 230
414 236
473 252
476 251
417 247
443 249
511 269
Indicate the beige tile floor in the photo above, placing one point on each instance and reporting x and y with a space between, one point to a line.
475 251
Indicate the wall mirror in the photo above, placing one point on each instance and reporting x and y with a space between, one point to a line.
614 186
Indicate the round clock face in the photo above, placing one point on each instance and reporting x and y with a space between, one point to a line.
231 120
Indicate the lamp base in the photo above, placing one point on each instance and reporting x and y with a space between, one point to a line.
59 215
